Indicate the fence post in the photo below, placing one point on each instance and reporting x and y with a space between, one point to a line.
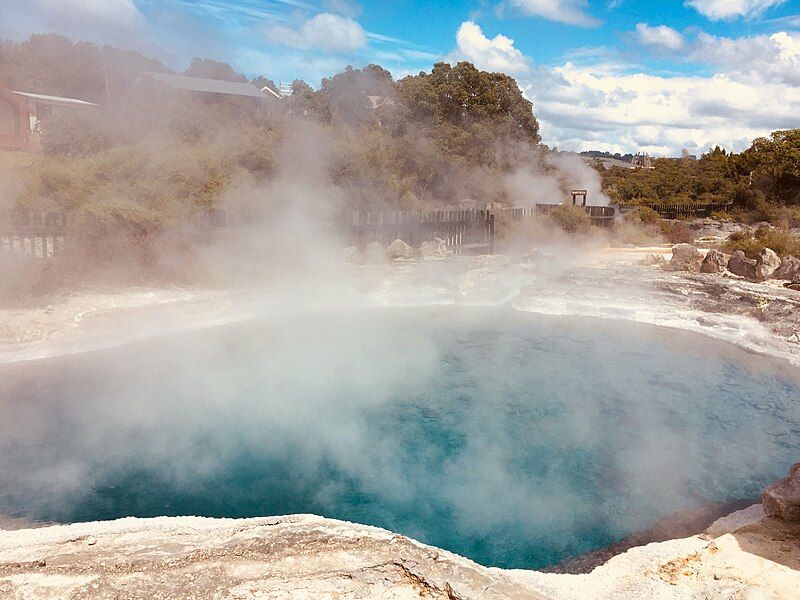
491 233
43 219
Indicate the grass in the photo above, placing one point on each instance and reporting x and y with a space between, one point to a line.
782 241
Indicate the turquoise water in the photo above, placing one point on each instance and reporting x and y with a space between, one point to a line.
509 438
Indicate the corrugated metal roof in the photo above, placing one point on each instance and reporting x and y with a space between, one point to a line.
211 86
54 99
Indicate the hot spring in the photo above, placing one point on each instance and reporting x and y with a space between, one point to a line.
512 439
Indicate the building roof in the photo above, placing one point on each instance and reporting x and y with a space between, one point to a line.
211 86
266 89
54 99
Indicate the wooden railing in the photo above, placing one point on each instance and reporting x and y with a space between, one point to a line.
34 234
674 211
464 231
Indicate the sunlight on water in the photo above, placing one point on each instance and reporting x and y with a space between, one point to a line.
509 438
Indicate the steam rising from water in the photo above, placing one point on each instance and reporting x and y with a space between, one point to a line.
511 439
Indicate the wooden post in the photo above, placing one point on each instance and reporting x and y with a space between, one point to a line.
43 219
491 234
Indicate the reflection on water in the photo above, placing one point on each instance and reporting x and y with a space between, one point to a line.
511 439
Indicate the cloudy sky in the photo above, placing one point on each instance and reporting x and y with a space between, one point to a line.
618 75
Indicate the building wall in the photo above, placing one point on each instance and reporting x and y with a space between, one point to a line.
9 117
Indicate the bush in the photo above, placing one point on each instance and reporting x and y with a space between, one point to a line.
782 241
677 232
642 215
572 219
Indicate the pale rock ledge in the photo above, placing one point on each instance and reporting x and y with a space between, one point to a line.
304 556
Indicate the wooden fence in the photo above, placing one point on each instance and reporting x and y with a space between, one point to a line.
32 234
464 231
693 211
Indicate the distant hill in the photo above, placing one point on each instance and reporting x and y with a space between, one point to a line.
616 156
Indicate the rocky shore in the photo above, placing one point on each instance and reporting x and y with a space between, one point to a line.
610 283
744 556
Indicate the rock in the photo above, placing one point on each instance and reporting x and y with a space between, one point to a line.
685 257
374 253
714 262
736 520
782 499
282 557
398 249
353 256
742 266
303 556
789 269
767 263
435 250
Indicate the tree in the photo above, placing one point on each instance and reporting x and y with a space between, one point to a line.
472 113
52 64
305 102
348 94
774 163
213 69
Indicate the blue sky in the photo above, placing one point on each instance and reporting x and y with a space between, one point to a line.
620 75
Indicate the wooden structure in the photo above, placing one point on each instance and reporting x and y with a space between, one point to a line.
32 234
579 194
692 211
15 120
463 231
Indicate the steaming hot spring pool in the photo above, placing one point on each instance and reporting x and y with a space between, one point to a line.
513 439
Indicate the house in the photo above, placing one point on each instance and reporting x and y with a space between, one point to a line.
207 86
23 115
642 161
15 120
377 101
43 107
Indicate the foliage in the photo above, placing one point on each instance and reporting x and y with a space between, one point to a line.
467 111
642 215
572 219
213 69
759 181
152 157
677 232
781 240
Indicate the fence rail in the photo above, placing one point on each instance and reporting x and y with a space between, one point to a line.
464 231
673 211
33 234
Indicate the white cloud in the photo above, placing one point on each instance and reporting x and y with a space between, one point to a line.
496 54
770 58
718 10
325 31
580 109
571 12
659 37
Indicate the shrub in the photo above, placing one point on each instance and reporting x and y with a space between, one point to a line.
721 215
642 215
782 241
572 219
677 232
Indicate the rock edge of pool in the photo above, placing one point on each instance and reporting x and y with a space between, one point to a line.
745 555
